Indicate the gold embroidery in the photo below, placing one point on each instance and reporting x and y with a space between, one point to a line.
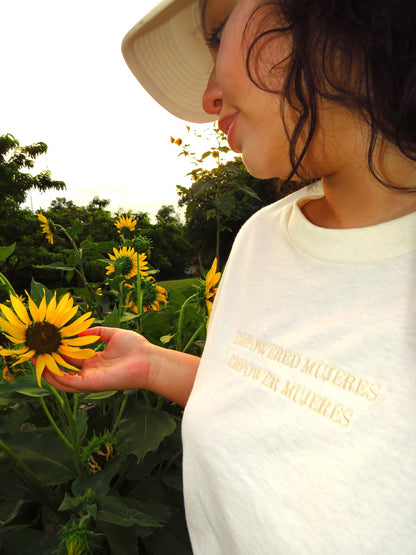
303 396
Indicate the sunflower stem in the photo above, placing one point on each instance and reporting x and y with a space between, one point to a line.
54 425
180 323
172 460
76 405
58 397
80 269
195 335
119 415
120 299
139 295
146 398
6 282
74 434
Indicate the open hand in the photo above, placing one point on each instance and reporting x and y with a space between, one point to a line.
124 364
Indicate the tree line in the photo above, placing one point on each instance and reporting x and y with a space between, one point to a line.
217 203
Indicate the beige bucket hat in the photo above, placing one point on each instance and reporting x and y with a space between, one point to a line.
167 54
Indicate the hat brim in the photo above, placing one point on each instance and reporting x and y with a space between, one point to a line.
167 54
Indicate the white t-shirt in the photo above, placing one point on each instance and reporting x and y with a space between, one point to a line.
300 432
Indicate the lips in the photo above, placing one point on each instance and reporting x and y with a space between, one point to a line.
227 126
225 122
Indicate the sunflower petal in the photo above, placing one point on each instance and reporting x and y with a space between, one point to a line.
34 311
66 316
73 352
40 366
81 324
63 362
15 340
42 309
51 364
65 304
20 310
16 331
10 315
25 356
12 352
51 309
81 341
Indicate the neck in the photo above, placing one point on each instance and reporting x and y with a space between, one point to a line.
355 198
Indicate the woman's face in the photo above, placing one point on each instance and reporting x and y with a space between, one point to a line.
255 122
251 118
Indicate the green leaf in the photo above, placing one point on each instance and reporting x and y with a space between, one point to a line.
78 504
173 538
121 540
72 259
23 385
37 290
100 395
5 252
128 316
105 247
76 228
145 431
166 338
44 453
87 245
67 503
12 419
113 510
112 320
205 155
22 541
81 424
55 266
99 482
12 491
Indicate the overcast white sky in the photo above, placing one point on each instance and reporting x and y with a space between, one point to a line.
64 82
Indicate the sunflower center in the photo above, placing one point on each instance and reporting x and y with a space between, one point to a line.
43 337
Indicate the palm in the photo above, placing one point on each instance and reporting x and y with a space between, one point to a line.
122 365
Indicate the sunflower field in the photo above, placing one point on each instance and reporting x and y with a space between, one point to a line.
99 472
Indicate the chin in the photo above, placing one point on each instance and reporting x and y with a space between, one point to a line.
262 170
262 167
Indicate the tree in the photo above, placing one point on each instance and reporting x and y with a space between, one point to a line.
220 201
166 214
15 179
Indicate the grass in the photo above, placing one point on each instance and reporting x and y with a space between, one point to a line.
182 285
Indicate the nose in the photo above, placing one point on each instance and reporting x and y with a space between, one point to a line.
212 98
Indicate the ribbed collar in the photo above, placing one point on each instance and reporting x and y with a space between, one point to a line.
350 246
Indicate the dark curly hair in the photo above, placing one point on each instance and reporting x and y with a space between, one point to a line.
358 53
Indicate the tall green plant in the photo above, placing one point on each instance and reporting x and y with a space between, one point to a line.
100 472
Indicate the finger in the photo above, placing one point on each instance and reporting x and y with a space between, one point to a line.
60 382
105 333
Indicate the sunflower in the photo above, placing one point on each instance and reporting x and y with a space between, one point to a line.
44 333
153 296
125 223
46 229
212 279
126 259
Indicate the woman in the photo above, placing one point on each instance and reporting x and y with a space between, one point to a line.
299 432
